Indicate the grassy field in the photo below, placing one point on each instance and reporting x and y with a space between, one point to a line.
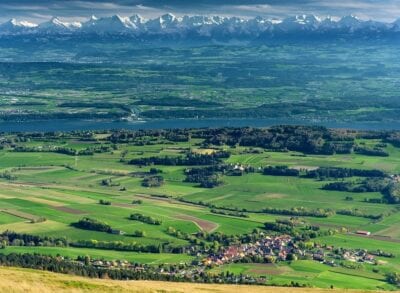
23 280
64 188
315 274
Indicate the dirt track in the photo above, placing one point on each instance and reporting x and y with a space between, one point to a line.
203 224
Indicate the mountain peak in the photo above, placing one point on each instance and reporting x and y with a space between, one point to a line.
117 17
137 18
13 21
55 25
56 21
350 19
210 26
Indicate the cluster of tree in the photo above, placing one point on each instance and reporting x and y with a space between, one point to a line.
382 253
145 219
153 181
207 177
359 213
8 175
211 181
393 278
366 185
118 245
300 231
393 138
378 152
323 172
196 175
213 242
10 238
301 212
229 213
104 202
92 224
391 194
373 200
279 227
109 182
83 266
336 172
306 139
139 233
198 245
190 159
137 201
135 136
154 171
280 171
390 189
64 150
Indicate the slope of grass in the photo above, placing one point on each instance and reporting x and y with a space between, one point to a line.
23 280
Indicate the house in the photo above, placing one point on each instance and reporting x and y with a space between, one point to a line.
318 257
117 232
364 233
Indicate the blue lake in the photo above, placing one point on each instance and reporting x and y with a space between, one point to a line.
70 125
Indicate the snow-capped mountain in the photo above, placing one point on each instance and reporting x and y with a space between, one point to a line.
299 22
57 26
16 27
105 25
207 27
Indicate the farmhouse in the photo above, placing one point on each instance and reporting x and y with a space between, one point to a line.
365 233
117 232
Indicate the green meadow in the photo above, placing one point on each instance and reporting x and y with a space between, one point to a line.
64 188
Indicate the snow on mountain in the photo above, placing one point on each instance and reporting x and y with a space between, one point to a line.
55 25
15 27
212 27
299 22
164 22
104 25
199 20
138 21
350 23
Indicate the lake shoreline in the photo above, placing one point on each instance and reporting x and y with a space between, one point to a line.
76 125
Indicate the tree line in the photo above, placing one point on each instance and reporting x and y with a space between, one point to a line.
190 159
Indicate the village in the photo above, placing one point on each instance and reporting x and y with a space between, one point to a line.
283 248
269 249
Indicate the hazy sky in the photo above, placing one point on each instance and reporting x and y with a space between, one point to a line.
39 10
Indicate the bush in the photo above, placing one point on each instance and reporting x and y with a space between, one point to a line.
153 181
92 224
139 233
104 202
145 219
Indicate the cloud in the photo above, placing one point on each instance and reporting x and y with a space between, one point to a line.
40 10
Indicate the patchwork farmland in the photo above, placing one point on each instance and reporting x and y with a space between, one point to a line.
182 196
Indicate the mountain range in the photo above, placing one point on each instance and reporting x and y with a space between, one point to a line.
206 27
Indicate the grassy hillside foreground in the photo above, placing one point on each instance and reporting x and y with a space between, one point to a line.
25 280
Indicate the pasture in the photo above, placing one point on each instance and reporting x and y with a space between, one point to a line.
64 188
